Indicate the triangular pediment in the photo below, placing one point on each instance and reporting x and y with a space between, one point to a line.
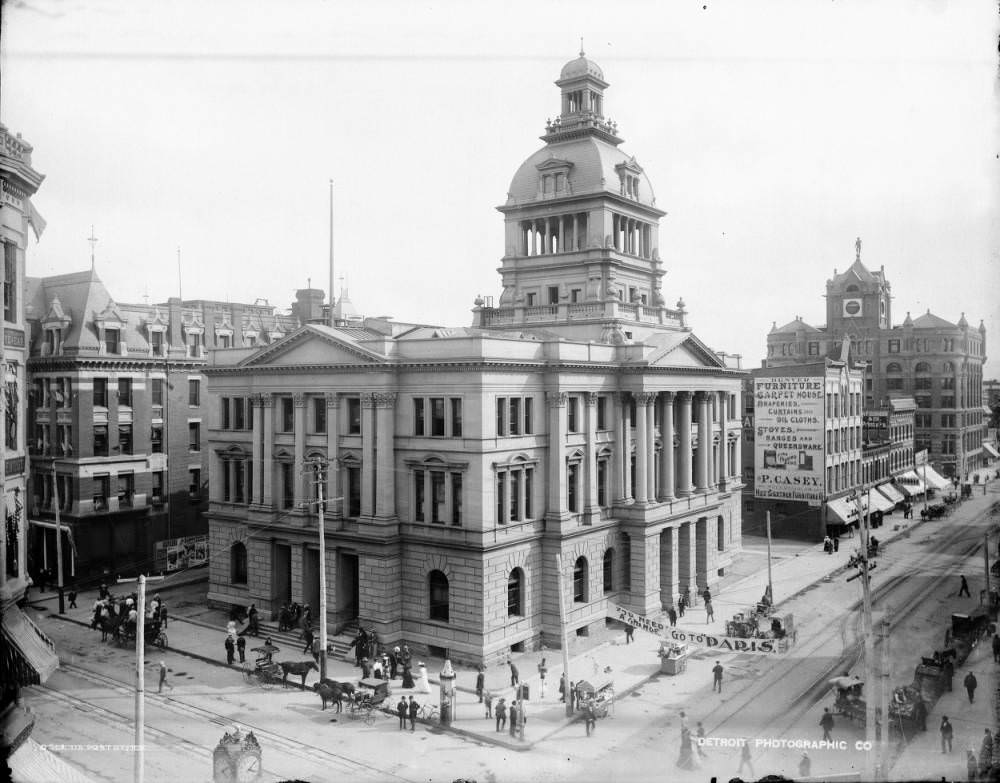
56 315
309 346
685 350
110 315
157 319
554 163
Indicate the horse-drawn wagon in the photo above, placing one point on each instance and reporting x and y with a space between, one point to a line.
368 700
965 632
602 692
907 710
152 630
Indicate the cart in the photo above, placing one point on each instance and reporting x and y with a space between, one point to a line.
264 670
152 634
907 709
965 632
602 692
368 699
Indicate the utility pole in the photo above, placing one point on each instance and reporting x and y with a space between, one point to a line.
140 671
565 636
59 557
986 563
319 467
770 584
869 641
884 696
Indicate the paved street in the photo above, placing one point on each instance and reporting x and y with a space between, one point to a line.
90 700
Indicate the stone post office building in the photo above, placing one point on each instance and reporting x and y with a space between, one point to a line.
579 416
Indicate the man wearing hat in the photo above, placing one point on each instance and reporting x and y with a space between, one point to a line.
163 677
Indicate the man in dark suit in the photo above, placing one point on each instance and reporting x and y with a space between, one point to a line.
512 714
401 712
501 712
414 708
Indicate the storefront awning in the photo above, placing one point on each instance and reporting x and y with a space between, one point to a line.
845 510
932 478
32 763
891 493
880 502
28 655
991 450
910 484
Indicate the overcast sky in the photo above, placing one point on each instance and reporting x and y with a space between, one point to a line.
774 133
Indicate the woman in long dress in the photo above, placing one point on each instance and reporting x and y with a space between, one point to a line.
423 684
407 676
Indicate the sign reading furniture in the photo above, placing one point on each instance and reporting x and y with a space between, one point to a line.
789 442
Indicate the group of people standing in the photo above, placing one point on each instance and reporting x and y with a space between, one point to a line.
111 611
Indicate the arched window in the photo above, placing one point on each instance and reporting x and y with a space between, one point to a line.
852 289
438 591
609 569
580 581
515 584
949 367
923 367
238 564
893 367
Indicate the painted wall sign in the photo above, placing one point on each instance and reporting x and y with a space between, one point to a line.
789 442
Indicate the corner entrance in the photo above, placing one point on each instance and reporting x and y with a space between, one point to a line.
347 590
281 577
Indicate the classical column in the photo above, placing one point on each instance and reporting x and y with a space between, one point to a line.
299 482
704 444
590 507
575 244
669 548
667 437
335 508
367 455
257 412
688 559
626 447
556 402
267 461
385 413
650 447
618 455
640 447
723 443
645 569
683 487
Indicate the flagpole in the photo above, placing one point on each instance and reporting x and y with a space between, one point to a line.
332 293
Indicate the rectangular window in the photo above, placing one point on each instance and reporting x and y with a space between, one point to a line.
100 392
553 295
947 419
602 413
529 481
157 392
100 440
125 438
238 480
354 417
947 401
157 490
894 384
501 497
501 416
194 345
948 382
227 484
194 391
194 436
102 488
156 439
354 490
572 472
572 417
125 392
602 477
111 340
893 346
923 401
126 489
9 281
437 417
922 420
194 484
287 414
814 349
514 416
157 338
418 495
418 416
319 415
921 383
225 340
224 410
515 492
456 417
240 413
528 419
530 299
287 472
437 497
456 498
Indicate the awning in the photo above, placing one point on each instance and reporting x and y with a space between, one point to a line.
845 509
909 484
932 478
880 502
991 450
29 656
891 492
32 763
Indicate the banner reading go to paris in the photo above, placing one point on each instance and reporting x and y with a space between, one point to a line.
720 643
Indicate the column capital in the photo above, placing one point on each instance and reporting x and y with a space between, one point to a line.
645 397
684 396
383 399
703 396
332 400
556 399
668 396
299 400
590 399
266 400
255 401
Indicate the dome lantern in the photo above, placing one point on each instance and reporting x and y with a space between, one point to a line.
582 103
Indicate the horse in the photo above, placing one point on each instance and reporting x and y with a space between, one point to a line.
111 625
331 691
300 668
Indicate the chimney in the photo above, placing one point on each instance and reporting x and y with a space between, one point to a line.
238 326
175 335
308 307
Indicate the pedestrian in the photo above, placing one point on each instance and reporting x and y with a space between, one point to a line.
709 612
393 663
163 678
514 677
253 621
629 630
964 588
717 677
366 669
43 577
542 671
996 648
985 755
970 684
805 765
827 723
562 688
828 545
971 765
72 599
707 595
501 714
684 721
590 716
488 701
401 712
414 709
241 646
480 683
163 615
512 727
684 603
572 695
836 543
307 634
230 650
946 734
700 734
103 592
672 614
745 758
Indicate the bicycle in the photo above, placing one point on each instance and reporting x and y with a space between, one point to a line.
429 711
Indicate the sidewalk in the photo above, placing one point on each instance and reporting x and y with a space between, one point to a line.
604 655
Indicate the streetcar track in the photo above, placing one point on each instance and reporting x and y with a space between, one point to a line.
283 742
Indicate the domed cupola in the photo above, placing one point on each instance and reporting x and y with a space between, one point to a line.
582 111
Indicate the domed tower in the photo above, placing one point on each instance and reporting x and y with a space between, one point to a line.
582 228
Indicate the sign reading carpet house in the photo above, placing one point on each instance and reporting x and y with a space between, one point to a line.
723 643
788 442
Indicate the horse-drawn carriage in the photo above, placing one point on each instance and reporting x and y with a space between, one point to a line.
933 675
965 632
907 710
368 700
152 630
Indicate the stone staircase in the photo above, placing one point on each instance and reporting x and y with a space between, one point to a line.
292 640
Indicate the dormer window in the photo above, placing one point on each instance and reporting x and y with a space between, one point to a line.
112 340
157 343
49 347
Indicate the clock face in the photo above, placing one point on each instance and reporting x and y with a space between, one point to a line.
248 768
852 307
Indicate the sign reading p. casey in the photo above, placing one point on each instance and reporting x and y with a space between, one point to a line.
723 643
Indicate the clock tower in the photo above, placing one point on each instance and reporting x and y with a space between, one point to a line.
858 302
